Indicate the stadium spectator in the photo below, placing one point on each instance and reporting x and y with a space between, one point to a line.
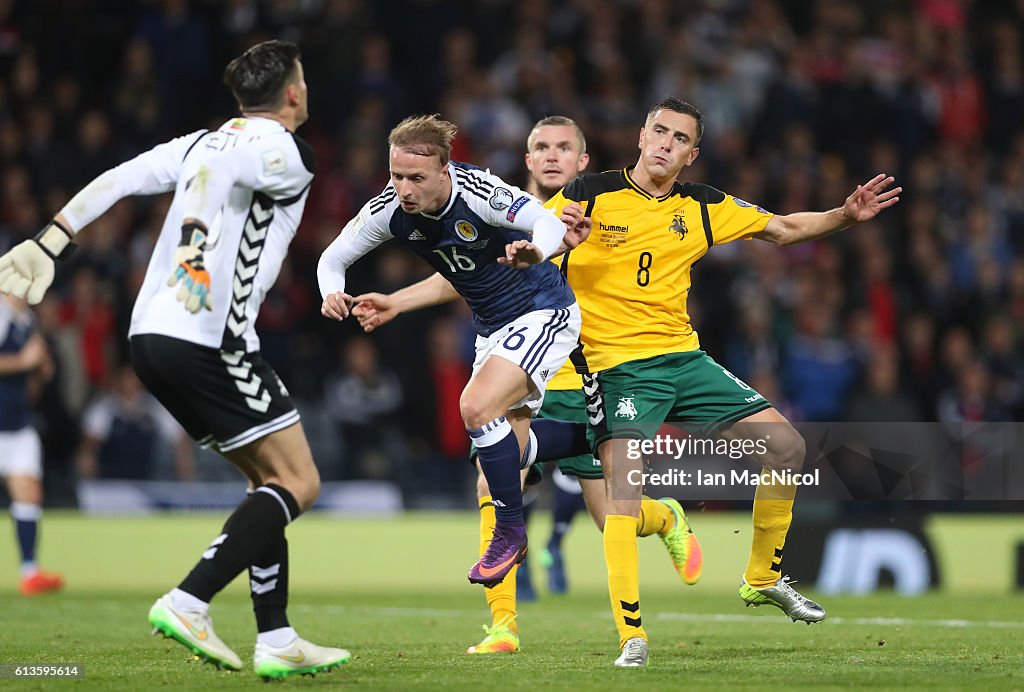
126 431
88 313
880 399
972 399
363 399
445 446
819 368
59 407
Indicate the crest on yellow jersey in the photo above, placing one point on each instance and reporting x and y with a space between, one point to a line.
678 225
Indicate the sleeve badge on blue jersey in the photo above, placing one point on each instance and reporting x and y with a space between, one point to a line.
466 231
500 199
514 209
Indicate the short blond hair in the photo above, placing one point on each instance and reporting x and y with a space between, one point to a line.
557 121
424 135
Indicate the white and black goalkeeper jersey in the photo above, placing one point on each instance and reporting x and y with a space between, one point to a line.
259 177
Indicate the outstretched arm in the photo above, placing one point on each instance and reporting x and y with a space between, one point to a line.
358 237
27 270
376 309
149 173
865 203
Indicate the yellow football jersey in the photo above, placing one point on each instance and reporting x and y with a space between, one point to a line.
566 379
632 275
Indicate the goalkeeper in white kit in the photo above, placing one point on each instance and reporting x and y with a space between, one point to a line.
239 193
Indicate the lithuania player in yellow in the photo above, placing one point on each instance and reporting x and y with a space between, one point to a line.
641 359
556 153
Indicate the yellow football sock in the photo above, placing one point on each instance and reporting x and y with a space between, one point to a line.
655 517
773 513
501 599
623 560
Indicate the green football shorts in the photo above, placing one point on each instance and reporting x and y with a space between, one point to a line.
633 399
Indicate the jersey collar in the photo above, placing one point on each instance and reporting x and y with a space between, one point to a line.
676 187
253 124
451 197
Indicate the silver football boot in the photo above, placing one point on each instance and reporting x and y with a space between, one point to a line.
634 654
786 598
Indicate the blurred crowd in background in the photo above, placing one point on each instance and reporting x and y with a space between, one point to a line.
914 317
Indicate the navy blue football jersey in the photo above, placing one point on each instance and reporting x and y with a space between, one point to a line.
464 241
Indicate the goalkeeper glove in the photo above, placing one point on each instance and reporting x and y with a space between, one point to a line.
190 271
26 271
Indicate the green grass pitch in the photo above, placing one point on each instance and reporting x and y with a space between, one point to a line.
394 592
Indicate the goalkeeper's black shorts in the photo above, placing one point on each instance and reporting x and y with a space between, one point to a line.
222 398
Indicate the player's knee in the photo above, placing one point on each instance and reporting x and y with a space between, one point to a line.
306 490
314 490
596 505
787 451
25 489
476 412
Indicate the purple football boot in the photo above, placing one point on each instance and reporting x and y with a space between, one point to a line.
506 550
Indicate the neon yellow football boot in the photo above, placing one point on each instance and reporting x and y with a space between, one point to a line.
500 639
682 544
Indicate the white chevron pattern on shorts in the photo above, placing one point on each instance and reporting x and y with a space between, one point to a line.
595 402
250 387
261 404
247 382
